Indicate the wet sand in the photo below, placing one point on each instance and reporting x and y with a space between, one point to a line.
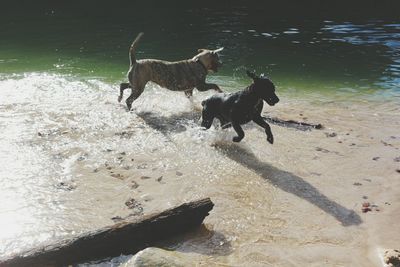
74 160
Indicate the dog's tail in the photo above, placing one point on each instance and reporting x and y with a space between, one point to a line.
132 50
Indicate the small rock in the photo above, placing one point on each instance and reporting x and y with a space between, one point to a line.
159 179
134 205
127 167
145 177
117 218
322 149
385 143
123 153
134 185
387 203
365 197
357 184
66 186
366 179
81 158
392 257
96 170
109 168
398 170
330 134
158 257
117 175
376 158
178 173
120 158
397 159
352 144
366 204
109 150
365 209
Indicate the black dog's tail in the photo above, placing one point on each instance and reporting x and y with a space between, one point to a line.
132 50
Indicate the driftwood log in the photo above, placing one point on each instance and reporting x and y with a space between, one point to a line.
122 238
302 126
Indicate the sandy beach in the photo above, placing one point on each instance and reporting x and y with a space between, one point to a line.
72 166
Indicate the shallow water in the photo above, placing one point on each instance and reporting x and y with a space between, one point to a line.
72 156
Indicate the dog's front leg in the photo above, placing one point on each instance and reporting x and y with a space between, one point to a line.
224 123
260 121
239 131
207 86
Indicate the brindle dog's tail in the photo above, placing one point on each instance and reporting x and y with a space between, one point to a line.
132 59
132 50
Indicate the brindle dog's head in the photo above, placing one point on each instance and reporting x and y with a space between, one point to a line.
264 88
209 59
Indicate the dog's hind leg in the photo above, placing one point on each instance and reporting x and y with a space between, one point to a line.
239 131
122 87
260 121
136 92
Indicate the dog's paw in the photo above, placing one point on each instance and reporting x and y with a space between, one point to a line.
270 139
236 139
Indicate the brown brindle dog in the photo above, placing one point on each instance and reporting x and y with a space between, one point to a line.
182 75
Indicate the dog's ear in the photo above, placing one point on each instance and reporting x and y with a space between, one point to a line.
263 76
218 50
251 74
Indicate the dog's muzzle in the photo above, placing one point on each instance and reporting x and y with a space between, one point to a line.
216 66
272 101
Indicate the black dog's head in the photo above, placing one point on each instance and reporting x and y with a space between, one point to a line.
264 88
208 114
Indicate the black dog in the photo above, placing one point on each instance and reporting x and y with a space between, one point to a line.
241 107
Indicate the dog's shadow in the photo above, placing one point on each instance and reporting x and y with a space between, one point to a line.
290 183
169 124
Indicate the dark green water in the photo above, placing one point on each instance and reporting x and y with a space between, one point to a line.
301 51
